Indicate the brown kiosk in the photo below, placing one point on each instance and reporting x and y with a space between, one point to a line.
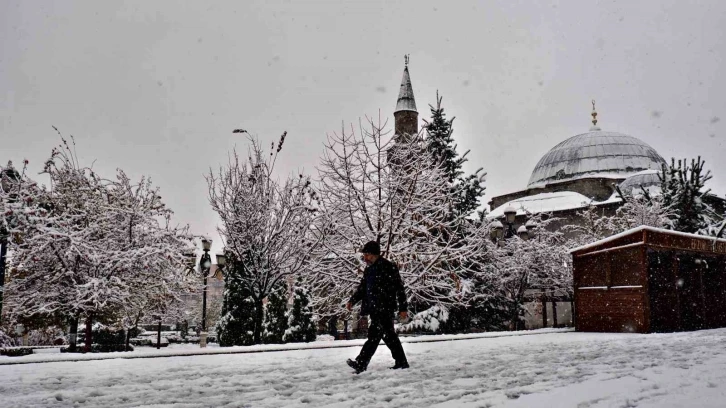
648 280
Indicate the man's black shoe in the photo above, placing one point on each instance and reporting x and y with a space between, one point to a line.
356 366
398 366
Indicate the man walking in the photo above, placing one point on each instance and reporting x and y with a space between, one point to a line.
381 290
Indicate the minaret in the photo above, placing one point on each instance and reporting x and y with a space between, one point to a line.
406 115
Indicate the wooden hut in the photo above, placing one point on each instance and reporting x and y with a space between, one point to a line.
650 280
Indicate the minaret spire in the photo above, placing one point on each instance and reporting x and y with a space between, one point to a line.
594 118
406 115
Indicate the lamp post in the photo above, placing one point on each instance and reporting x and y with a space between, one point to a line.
221 260
205 263
523 232
510 214
498 231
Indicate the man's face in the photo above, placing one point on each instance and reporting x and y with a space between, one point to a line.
369 258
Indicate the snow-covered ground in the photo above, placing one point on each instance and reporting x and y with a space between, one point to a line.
189 349
546 370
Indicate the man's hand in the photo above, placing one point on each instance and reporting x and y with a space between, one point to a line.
403 316
349 306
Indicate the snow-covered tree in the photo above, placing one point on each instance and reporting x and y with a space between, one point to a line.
265 223
540 263
236 327
90 246
680 204
373 188
276 315
439 139
17 192
684 189
300 323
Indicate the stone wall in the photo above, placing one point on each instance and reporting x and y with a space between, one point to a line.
598 189
406 123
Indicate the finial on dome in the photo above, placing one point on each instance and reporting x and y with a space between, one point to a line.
594 117
405 58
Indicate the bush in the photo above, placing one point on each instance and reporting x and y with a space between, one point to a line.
428 321
140 341
108 336
16 352
275 323
301 324
47 336
100 348
5 340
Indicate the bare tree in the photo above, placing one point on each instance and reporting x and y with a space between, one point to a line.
265 223
375 188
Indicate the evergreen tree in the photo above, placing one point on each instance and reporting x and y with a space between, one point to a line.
466 192
300 318
276 316
237 324
684 190
440 142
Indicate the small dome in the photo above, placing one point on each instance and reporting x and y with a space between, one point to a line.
595 154
646 179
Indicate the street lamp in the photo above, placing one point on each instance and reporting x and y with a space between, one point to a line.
522 232
510 214
497 231
221 260
205 263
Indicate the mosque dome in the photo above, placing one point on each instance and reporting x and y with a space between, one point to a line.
647 179
595 154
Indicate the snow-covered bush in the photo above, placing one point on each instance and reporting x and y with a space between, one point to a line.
5 340
275 316
301 324
428 321
324 337
236 326
48 336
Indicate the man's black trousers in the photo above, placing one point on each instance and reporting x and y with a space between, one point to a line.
381 328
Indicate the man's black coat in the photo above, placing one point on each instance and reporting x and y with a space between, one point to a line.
381 289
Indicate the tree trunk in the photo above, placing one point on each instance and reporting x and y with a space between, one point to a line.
259 315
128 339
89 332
73 334
3 253
158 336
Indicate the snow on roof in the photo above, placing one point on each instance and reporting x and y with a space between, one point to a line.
549 202
406 101
644 228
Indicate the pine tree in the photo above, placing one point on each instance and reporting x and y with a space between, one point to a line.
237 324
276 316
684 190
466 191
440 142
300 318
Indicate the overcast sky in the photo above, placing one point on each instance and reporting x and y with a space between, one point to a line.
156 88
